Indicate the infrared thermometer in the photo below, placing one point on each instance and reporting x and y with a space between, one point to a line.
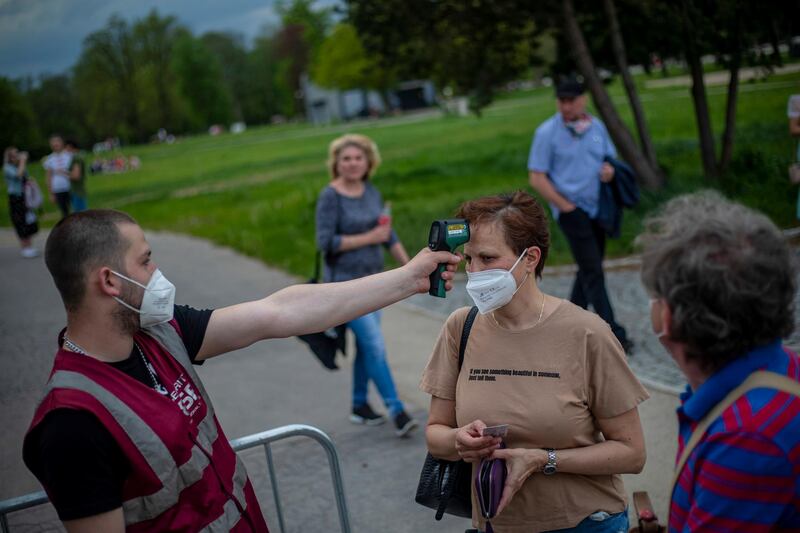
445 235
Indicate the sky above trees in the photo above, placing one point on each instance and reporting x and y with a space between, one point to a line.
45 36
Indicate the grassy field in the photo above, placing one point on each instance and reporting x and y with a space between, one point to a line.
256 191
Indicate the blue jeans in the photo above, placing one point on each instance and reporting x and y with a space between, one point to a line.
599 522
78 203
371 364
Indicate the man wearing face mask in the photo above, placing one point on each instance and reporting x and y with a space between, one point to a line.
722 284
126 437
566 165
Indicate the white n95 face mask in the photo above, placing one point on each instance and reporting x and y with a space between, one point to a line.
494 288
158 300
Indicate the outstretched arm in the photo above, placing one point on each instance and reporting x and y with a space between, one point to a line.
310 308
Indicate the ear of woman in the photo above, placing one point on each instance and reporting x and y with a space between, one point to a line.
532 258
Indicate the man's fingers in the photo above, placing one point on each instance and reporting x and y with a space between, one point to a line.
454 266
446 257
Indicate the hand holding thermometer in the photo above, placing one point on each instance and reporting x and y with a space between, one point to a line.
445 235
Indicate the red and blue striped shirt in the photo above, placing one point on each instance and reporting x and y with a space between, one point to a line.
744 475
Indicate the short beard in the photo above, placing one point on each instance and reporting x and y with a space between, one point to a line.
125 319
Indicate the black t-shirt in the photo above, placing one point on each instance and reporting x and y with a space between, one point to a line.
77 459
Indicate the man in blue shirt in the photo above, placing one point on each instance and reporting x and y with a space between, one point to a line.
565 166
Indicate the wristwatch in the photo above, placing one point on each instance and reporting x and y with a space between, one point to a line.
550 468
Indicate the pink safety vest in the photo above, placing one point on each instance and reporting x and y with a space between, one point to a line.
184 474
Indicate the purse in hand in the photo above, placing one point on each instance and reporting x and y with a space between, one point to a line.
490 480
446 485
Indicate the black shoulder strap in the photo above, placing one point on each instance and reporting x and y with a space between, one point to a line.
465 335
445 498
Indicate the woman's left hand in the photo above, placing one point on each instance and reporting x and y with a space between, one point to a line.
520 464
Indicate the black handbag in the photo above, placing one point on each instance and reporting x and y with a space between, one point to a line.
325 344
447 485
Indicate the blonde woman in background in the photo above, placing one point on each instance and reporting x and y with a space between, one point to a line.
352 231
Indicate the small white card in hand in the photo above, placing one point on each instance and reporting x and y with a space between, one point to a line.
495 431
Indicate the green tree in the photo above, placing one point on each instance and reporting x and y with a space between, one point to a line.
55 107
266 94
342 63
200 83
646 170
158 101
315 21
105 81
734 31
303 29
19 126
474 47
478 45
230 52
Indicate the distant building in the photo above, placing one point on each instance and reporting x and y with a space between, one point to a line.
330 105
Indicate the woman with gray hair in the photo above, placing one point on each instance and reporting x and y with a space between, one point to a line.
722 284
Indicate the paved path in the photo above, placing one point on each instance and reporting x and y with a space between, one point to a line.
724 76
278 382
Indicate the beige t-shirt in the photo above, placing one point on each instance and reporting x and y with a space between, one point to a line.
549 383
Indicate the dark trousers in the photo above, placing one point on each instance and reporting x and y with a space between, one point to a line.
587 240
63 202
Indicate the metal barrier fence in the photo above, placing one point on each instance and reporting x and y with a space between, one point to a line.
265 439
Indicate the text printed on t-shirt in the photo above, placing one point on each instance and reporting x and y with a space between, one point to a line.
490 374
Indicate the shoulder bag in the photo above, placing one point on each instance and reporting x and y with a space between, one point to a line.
446 485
